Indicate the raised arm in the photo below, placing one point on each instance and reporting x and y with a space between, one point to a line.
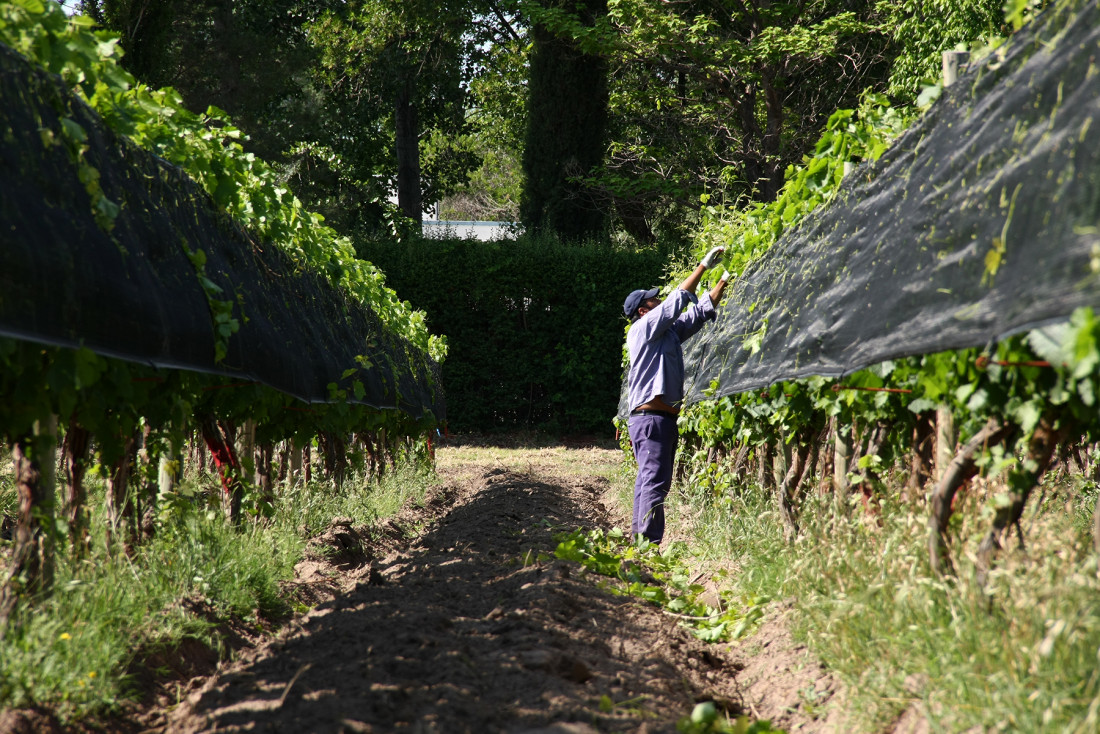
716 291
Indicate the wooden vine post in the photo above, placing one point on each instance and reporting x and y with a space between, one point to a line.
1096 527
264 478
294 474
169 469
842 456
764 460
246 453
945 440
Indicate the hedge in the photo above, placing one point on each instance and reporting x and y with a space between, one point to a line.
534 326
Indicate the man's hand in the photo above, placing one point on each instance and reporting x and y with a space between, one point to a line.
712 258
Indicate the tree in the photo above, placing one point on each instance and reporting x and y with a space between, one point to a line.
406 58
254 59
338 94
719 96
566 128
924 29
497 118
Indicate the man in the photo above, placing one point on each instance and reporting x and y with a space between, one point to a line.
655 385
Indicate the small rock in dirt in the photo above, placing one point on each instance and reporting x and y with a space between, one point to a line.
538 659
351 726
575 670
552 661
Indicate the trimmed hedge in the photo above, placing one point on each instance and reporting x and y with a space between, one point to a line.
534 326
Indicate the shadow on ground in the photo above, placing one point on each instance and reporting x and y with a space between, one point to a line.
474 627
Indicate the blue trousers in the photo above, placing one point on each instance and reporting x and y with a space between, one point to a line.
653 438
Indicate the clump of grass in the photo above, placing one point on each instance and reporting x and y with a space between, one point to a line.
308 509
1020 654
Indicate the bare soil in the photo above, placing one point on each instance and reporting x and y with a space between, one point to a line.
455 617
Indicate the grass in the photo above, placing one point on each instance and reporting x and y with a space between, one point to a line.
1020 655
523 453
71 652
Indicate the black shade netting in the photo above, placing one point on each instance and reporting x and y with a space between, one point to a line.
979 222
133 292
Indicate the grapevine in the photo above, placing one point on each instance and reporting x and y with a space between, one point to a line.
130 422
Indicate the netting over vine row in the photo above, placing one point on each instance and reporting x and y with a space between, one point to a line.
132 291
981 221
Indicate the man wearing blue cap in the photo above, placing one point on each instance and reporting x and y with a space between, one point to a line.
655 385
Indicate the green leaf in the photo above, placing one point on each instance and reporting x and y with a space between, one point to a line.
35 7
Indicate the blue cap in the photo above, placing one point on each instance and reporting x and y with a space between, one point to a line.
635 299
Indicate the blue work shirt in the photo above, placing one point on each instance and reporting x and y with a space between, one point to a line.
654 344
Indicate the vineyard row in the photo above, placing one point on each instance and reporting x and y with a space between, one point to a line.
1007 414
70 413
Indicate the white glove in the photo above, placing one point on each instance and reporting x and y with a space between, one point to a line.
712 258
725 276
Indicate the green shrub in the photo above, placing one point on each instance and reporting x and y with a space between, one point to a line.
534 326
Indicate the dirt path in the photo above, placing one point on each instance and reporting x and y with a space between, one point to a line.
472 626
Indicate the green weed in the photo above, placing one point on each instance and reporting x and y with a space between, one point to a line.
657 577
71 651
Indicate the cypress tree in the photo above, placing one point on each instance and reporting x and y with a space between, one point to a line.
566 131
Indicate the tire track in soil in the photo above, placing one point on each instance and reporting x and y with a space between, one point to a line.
454 633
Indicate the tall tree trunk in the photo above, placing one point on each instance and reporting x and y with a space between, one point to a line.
407 124
566 134
771 179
